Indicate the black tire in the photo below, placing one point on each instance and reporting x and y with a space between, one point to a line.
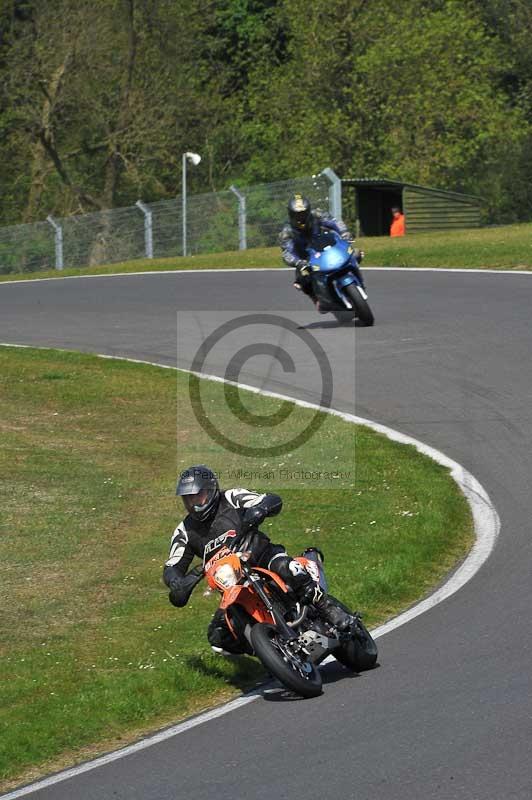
359 653
361 306
344 317
287 668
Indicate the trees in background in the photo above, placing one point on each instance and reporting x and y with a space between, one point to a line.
99 100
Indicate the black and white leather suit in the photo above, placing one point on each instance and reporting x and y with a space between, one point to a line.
192 538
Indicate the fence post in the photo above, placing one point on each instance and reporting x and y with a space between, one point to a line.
58 241
335 192
242 242
148 230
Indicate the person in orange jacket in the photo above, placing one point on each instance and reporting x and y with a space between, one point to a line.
397 228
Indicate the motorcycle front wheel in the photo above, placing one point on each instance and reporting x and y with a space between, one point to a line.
288 667
344 317
361 306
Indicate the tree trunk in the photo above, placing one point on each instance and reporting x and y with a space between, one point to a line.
40 165
102 249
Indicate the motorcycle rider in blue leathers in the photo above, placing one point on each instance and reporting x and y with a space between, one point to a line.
304 224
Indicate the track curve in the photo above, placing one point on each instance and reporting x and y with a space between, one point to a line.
449 715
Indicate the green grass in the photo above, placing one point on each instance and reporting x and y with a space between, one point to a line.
258 257
91 652
505 247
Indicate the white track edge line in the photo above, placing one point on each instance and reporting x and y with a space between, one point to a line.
151 272
501 271
486 524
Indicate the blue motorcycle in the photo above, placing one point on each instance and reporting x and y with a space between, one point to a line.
335 283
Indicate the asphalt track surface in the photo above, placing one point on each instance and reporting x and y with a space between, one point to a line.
449 712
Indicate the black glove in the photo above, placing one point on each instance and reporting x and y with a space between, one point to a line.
182 588
244 542
253 517
302 266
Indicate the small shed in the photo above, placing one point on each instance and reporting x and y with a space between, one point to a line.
369 201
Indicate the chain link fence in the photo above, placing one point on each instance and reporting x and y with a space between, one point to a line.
215 222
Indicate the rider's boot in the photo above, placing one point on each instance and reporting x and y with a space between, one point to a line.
219 651
221 639
299 286
332 613
308 592
326 607
316 303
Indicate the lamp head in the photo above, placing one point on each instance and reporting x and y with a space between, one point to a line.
194 158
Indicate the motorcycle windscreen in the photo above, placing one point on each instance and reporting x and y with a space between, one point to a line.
322 240
333 259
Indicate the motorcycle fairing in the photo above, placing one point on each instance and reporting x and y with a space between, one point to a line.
346 279
273 575
332 256
327 289
245 597
328 260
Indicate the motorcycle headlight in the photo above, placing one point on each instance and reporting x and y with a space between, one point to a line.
226 576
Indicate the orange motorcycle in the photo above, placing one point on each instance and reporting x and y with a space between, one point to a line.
289 639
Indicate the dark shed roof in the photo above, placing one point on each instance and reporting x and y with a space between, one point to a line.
425 208
385 183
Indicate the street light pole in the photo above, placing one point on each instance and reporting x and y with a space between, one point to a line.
184 203
194 159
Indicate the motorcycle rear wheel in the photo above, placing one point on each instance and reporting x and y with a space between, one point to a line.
272 650
361 306
360 652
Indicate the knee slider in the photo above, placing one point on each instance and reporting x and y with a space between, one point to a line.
293 573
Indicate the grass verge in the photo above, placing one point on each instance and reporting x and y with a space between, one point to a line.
506 247
91 652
